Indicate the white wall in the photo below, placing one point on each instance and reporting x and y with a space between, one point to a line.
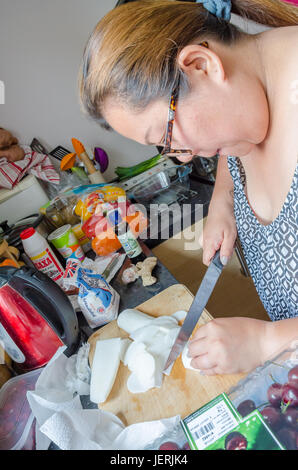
41 46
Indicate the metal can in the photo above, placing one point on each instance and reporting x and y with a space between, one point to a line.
65 241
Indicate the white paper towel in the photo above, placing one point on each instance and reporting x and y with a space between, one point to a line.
62 420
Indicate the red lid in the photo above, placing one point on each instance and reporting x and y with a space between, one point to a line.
27 233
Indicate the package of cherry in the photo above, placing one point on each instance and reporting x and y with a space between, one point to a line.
259 413
17 424
272 389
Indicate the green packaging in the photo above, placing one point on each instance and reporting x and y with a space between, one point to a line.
65 241
219 426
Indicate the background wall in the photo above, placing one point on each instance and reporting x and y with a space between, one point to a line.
41 46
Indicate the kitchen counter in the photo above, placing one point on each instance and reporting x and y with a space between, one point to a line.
135 293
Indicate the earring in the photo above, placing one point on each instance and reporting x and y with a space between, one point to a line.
205 44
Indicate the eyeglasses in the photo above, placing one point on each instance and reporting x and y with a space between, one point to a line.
167 150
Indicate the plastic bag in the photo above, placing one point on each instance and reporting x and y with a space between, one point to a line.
99 302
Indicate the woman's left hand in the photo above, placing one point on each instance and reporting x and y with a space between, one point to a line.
229 345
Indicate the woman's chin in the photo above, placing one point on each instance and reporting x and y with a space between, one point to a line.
237 151
185 159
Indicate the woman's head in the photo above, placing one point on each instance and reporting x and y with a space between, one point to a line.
136 56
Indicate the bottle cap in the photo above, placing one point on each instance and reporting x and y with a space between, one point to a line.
27 233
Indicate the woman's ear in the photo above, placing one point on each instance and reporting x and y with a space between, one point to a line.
195 58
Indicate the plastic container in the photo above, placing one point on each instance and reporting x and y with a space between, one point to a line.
23 200
65 241
42 255
16 418
254 387
160 182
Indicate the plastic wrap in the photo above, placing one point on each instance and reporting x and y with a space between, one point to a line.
99 302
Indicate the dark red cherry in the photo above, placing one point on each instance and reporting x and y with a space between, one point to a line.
169 446
246 407
293 376
235 441
274 394
186 446
288 438
272 416
290 417
290 395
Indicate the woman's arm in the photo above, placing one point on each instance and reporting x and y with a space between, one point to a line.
220 229
279 335
233 345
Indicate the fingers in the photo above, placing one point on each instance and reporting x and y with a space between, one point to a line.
210 246
227 247
223 242
203 363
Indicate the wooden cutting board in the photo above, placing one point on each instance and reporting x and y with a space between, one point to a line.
182 392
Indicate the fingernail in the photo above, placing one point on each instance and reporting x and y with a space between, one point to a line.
224 260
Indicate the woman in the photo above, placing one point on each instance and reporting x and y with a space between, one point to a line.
233 94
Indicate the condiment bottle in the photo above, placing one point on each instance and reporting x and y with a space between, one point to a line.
42 255
129 242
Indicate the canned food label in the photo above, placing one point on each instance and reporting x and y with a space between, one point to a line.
48 264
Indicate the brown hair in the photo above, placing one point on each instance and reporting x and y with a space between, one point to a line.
131 54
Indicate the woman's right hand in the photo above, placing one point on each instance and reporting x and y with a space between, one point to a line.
220 232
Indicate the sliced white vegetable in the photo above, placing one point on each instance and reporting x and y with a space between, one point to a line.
104 368
143 365
134 384
165 320
131 319
146 333
180 315
133 350
125 343
187 360
162 343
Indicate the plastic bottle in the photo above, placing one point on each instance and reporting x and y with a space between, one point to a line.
129 243
42 255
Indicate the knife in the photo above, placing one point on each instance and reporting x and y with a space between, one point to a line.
197 307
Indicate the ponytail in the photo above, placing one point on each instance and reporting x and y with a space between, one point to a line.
132 53
272 13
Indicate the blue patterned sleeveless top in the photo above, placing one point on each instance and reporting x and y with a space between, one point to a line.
271 251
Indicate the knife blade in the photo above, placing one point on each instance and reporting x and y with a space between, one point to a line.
196 309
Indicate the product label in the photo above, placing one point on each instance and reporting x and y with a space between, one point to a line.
67 244
48 264
211 422
218 425
130 244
